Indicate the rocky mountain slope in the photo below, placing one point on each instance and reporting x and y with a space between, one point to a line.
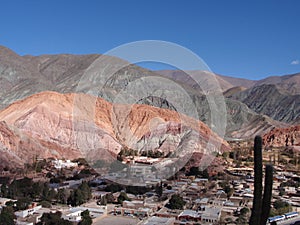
205 80
279 137
276 96
271 100
289 83
49 124
137 108
18 147
238 82
225 82
22 76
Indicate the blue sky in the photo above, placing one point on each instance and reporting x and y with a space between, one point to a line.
250 39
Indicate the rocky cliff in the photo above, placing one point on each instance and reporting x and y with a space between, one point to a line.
271 100
280 137
50 124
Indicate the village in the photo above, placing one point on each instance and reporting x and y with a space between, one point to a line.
219 194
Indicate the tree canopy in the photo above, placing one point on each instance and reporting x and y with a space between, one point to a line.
7 216
53 219
86 218
176 202
81 195
123 197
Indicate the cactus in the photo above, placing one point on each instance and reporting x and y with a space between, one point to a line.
266 202
261 206
257 200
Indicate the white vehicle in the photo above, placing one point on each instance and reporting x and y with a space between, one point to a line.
276 219
291 215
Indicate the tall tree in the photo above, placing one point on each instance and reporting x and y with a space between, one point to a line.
7 216
53 218
176 202
4 190
123 197
159 189
86 191
86 218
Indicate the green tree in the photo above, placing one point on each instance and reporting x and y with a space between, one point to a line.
244 211
176 202
110 198
81 161
86 218
241 220
76 198
81 195
23 203
225 155
62 196
194 171
137 190
113 188
46 204
123 197
20 188
37 189
4 190
159 189
103 200
280 207
7 216
53 219
51 195
228 190
86 191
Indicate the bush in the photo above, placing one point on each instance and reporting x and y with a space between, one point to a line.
123 197
45 204
53 218
176 202
86 218
7 216
280 207
113 188
80 195
194 171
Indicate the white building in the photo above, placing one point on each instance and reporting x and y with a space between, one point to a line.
211 214
23 223
28 212
190 215
60 164
159 221
133 204
73 216
3 201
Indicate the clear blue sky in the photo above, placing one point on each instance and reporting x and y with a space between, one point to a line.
251 39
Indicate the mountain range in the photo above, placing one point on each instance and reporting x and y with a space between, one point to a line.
50 124
37 109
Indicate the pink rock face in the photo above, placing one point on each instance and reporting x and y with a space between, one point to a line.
283 137
70 126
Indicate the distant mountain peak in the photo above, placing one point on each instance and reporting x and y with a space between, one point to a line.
4 51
